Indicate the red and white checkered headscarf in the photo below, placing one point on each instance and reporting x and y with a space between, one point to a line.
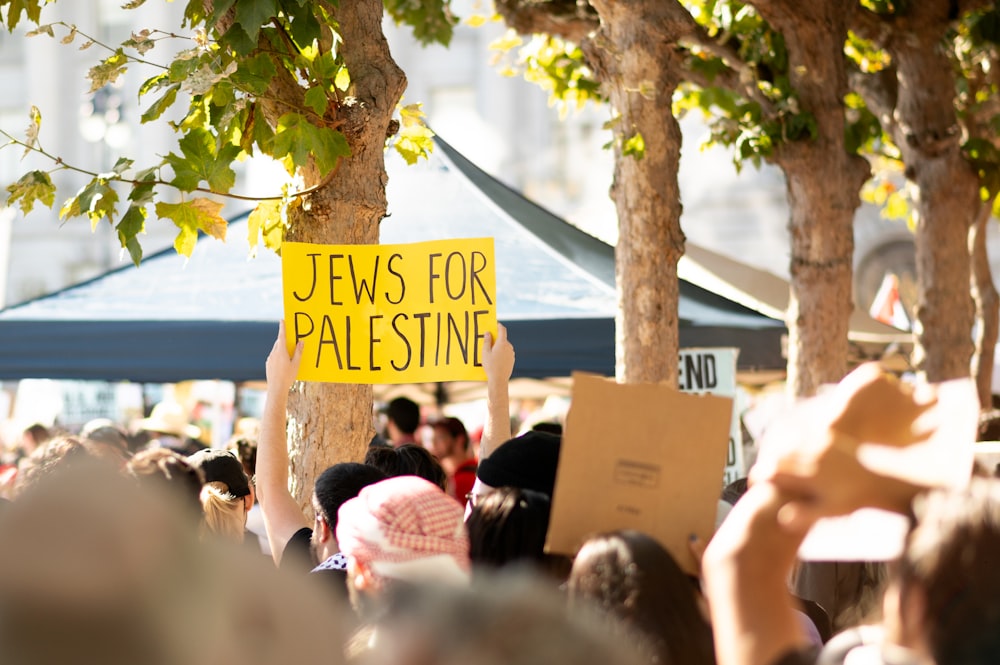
406 528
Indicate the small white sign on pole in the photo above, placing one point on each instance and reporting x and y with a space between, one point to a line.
714 371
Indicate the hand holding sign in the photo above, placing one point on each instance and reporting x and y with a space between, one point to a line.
281 370
498 357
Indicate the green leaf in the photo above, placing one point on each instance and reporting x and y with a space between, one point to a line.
142 193
262 133
431 20
191 217
32 186
265 223
634 146
30 8
254 74
252 14
202 161
897 206
305 28
315 99
181 68
296 139
132 224
415 140
343 80
108 71
157 108
154 83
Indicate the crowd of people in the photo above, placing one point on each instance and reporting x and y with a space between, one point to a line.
434 552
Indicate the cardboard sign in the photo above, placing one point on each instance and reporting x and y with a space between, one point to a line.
714 371
390 313
639 456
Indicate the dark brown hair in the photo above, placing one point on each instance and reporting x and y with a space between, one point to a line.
635 582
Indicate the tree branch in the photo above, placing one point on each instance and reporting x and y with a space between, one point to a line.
880 91
876 28
571 20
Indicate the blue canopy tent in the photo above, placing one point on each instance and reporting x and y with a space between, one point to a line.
214 316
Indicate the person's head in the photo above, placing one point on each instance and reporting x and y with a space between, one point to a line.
528 461
245 449
501 620
52 456
334 487
104 432
403 418
633 580
945 594
94 568
226 495
168 421
402 529
407 460
34 436
160 467
508 526
449 439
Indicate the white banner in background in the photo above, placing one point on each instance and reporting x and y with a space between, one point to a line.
714 371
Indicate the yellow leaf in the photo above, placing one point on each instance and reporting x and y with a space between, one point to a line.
209 219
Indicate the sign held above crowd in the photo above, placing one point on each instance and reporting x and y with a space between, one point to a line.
387 314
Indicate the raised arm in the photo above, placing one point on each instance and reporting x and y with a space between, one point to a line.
282 515
498 361
745 570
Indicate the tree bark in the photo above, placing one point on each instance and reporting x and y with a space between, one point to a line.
947 192
823 183
330 423
987 301
633 58
917 107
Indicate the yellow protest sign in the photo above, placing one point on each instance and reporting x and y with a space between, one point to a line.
390 313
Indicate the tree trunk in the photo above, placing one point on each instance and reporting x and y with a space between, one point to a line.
633 58
947 196
823 183
984 294
330 423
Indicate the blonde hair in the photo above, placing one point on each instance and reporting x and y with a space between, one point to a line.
223 513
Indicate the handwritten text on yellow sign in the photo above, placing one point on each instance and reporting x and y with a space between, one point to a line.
390 313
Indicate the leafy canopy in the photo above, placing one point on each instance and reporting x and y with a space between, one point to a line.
236 56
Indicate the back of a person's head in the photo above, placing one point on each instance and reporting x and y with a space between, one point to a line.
340 483
407 529
39 433
223 493
54 455
502 620
245 449
162 467
405 413
951 558
631 578
407 460
105 432
528 461
140 588
508 526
